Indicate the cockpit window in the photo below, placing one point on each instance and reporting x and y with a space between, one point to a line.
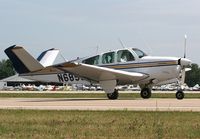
124 56
108 58
139 53
92 60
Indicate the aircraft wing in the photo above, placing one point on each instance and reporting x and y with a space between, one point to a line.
92 72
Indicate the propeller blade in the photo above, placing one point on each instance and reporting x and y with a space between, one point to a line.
185 46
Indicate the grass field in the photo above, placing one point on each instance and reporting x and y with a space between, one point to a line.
98 124
78 94
40 124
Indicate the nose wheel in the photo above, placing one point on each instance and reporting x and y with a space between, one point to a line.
179 94
145 93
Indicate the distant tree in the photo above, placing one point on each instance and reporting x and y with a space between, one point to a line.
193 77
6 68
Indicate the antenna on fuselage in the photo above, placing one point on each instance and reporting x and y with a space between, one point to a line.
185 40
120 41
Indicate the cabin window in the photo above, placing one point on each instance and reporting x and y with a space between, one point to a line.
92 60
139 53
108 58
124 56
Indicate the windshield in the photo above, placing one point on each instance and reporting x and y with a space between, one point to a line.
139 53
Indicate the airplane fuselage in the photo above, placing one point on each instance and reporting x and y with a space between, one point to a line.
157 69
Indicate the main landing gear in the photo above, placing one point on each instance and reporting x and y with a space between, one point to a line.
113 95
145 93
179 94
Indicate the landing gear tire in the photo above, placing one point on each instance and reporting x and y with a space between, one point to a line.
145 93
113 95
179 94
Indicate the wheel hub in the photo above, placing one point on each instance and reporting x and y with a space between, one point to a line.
145 93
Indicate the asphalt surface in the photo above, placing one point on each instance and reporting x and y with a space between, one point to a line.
100 104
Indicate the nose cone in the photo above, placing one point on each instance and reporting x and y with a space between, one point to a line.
185 62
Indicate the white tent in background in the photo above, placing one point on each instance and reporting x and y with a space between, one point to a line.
14 78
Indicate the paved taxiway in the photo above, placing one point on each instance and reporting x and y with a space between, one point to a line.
100 104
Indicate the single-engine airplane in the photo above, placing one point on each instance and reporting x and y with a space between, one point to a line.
109 69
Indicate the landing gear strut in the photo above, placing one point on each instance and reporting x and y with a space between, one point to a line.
179 94
113 95
145 93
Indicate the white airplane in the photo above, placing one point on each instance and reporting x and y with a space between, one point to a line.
109 69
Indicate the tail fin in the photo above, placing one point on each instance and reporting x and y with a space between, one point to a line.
22 61
47 57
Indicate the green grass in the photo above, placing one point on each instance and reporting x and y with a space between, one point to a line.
92 95
98 124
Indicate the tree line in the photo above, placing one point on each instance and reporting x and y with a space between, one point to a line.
6 69
192 77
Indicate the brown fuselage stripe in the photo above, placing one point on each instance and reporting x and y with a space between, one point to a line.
141 65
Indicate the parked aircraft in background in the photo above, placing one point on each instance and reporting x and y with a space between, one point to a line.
109 69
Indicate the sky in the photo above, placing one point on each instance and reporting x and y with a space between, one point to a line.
79 27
